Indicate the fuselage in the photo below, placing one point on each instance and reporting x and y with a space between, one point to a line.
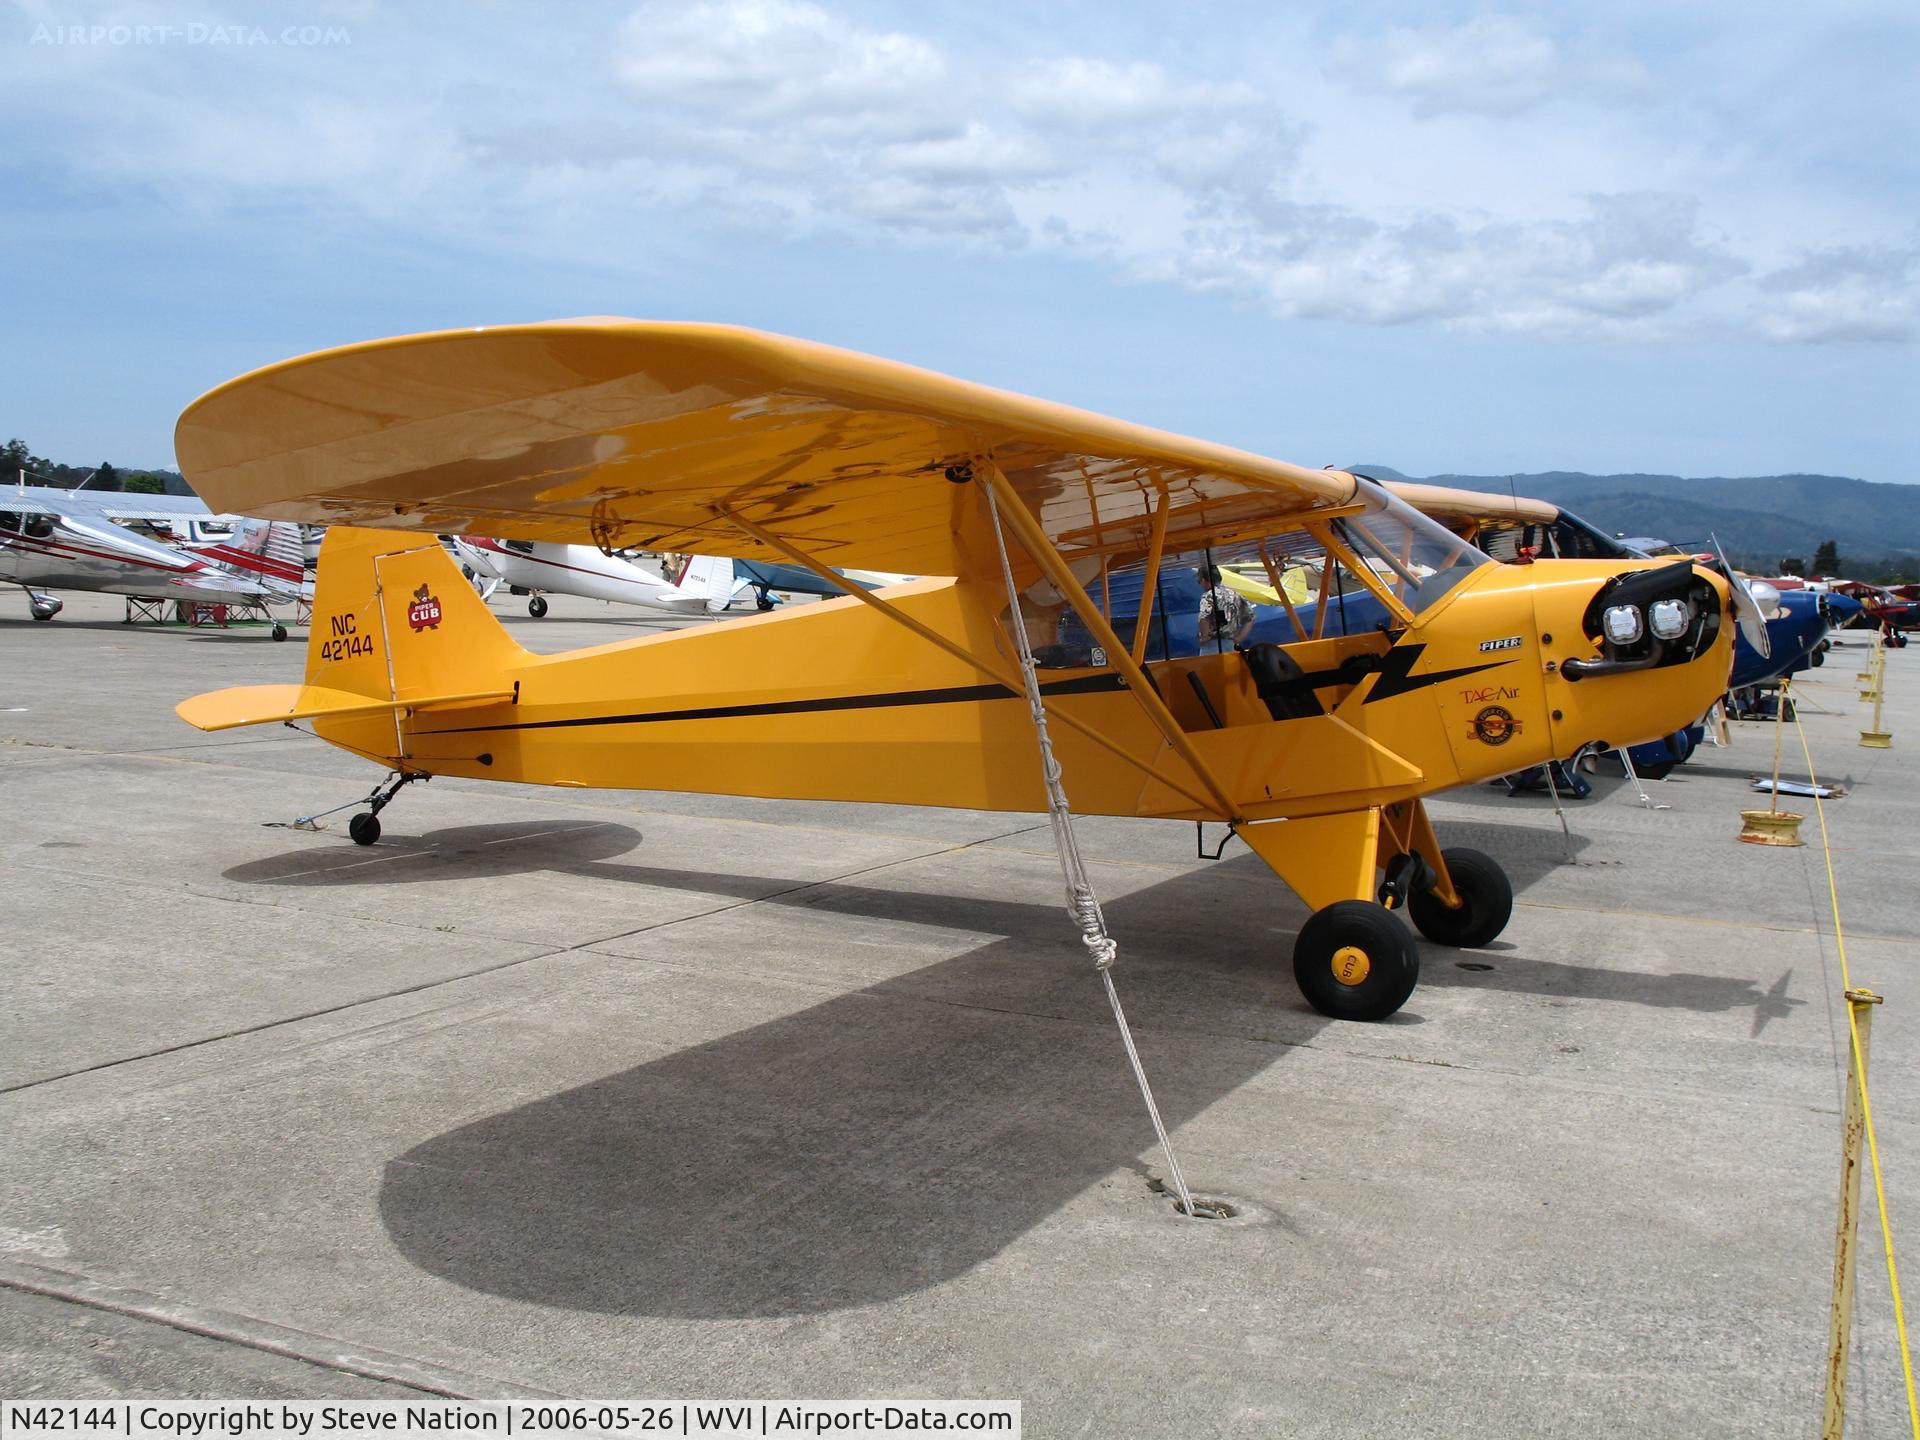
575 570
61 552
837 701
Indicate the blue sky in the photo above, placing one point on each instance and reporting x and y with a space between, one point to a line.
1443 238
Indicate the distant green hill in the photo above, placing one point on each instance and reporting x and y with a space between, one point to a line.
1759 519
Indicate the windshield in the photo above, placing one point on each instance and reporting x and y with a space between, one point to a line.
1415 557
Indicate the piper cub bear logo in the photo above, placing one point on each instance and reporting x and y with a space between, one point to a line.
1495 725
424 612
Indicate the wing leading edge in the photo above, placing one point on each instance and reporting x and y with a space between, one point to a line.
642 434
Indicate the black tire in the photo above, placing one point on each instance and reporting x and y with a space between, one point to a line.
763 602
537 607
1488 902
365 829
279 631
42 615
1326 943
1819 655
1654 772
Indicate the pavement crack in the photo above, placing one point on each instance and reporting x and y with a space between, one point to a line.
199 1042
250 1332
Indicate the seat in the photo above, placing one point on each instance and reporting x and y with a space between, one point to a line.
1281 684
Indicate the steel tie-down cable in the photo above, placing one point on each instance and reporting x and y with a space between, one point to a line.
1082 904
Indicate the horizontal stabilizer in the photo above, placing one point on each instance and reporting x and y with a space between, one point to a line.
268 704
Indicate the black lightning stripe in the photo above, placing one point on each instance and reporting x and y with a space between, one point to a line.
956 694
1394 669
1395 679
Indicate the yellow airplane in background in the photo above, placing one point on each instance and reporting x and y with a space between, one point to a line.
1068 529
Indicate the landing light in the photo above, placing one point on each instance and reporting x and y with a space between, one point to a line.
1622 624
1669 618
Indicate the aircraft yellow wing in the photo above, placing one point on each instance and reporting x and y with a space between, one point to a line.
649 435
1243 579
1453 507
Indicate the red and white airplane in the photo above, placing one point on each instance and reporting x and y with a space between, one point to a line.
52 539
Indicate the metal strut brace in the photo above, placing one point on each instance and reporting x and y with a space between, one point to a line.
377 799
1082 904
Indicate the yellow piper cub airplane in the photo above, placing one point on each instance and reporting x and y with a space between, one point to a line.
1442 668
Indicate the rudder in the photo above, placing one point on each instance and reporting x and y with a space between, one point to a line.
393 618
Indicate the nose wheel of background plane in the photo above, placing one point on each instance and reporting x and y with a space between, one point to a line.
537 607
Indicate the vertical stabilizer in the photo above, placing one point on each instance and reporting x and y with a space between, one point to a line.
393 618
711 578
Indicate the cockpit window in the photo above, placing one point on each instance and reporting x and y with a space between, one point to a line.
1281 588
34 527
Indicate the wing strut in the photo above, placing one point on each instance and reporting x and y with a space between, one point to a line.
1082 904
989 668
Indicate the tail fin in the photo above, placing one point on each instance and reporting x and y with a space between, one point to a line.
393 618
711 578
270 551
395 627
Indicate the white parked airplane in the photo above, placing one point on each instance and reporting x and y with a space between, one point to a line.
707 587
52 539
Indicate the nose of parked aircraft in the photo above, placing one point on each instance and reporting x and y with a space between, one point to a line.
1635 652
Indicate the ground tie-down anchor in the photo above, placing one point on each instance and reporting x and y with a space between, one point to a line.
1774 826
1082 904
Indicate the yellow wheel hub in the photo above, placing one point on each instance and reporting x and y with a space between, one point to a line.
1351 965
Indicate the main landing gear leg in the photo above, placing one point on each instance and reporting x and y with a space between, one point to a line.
1354 959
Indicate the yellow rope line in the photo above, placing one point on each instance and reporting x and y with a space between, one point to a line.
1866 1106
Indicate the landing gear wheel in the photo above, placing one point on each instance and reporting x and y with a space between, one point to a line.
1654 772
279 631
537 607
763 602
41 614
365 829
1819 655
1355 961
1486 902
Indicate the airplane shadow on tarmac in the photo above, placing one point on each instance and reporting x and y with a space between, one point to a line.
890 1138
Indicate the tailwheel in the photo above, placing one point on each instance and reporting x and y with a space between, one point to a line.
1355 961
1486 902
365 829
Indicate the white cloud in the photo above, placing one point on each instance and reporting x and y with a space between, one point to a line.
1431 205
1491 65
1845 295
1194 182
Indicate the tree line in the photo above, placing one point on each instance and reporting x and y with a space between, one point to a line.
20 466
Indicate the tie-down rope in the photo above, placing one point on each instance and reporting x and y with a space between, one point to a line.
1082 904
